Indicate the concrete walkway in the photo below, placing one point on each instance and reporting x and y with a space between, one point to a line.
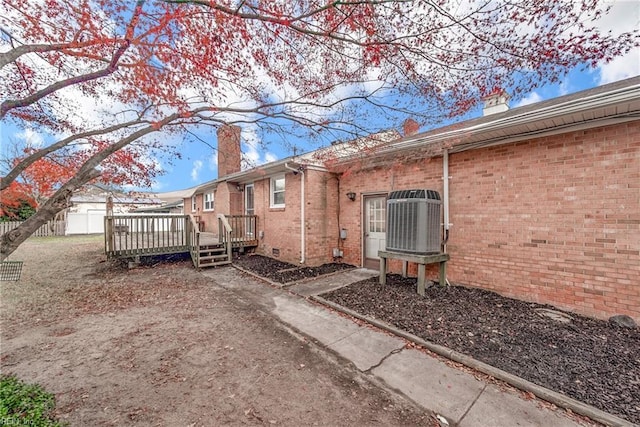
458 396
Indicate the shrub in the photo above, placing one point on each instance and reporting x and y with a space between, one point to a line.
24 404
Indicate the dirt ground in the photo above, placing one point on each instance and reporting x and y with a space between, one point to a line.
163 345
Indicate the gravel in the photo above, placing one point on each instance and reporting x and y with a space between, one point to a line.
284 272
587 359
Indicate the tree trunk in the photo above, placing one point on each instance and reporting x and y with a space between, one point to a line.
11 240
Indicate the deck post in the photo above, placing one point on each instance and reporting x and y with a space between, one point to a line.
108 234
383 271
421 260
442 280
421 278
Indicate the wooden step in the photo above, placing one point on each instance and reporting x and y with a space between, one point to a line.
213 245
213 255
217 257
212 263
212 251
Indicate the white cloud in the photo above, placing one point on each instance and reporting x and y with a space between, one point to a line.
253 157
213 162
195 171
270 157
623 16
532 98
31 137
621 68
253 153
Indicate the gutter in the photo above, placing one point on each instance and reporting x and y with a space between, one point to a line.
302 201
445 197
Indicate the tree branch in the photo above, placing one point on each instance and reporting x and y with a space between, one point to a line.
15 53
39 154
8 105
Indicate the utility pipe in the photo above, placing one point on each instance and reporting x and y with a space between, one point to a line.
302 200
445 196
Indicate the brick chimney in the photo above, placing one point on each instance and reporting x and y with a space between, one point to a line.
410 127
496 102
228 150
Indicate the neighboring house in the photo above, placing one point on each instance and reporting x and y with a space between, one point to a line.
176 207
89 206
172 202
540 202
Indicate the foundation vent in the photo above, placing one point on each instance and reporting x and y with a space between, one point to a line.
413 221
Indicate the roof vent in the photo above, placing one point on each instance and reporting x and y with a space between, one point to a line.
413 221
496 102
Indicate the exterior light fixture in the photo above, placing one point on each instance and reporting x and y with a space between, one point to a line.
351 195
239 188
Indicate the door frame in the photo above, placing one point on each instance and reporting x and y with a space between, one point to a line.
249 225
363 221
246 196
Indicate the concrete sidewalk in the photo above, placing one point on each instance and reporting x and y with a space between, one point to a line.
454 394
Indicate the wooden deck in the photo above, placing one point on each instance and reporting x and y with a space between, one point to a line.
133 236
126 244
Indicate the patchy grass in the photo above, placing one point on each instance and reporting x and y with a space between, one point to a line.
23 404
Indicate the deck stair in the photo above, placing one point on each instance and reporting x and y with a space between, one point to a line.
213 255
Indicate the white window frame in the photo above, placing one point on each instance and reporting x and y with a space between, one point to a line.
272 191
194 205
208 198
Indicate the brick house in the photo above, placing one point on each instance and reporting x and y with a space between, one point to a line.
541 202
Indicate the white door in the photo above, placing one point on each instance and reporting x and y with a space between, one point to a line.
249 209
375 220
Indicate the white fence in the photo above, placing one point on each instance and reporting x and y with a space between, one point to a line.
51 228
91 222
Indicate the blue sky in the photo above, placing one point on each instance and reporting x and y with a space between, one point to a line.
199 160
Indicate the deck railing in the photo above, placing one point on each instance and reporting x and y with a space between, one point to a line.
148 234
243 229
134 235
225 233
193 239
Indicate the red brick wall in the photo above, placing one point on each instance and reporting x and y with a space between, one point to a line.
553 220
229 154
209 217
425 173
321 216
280 226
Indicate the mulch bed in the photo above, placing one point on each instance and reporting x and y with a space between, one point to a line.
284 272
587 359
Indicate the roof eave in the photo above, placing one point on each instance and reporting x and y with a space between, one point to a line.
477 135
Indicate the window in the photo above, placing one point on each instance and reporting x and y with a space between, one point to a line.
193 203
277 191
208 201
376 215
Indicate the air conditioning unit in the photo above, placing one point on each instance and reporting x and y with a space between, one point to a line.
413 221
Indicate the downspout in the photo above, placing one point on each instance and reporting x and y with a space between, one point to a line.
445 197
302 200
